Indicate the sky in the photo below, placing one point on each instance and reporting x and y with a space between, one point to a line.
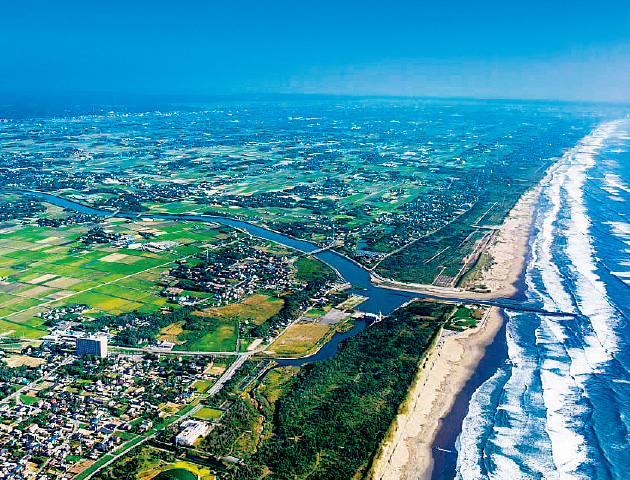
529 49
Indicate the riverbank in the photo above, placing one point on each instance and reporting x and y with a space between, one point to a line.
408 451
508 253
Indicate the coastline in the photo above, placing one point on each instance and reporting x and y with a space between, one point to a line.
407 452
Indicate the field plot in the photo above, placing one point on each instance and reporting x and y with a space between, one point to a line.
299 339
207 413
109 280
256 308
219 338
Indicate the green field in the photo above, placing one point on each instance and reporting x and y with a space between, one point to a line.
309 268
41 268
28 400
220 339
207 413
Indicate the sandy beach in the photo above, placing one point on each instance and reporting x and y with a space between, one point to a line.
408 452
508 252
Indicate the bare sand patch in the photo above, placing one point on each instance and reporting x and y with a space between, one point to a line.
47 240
14 361
214 370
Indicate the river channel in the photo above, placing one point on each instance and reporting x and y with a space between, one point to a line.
380 300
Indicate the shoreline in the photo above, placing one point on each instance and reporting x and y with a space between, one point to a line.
408 451
509 251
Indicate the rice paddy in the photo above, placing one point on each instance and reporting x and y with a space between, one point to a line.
44 267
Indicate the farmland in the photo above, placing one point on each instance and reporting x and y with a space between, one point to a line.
43 268
408 191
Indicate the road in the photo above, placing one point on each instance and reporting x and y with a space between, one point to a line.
131 445
134 443
228 374
31 385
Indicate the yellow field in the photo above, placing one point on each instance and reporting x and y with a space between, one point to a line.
63 282
113 257
47 240
43 278
20 360
214 370
170 333
201 472
256 308
299 339
36 291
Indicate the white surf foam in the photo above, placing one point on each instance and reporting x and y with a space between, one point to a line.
556 412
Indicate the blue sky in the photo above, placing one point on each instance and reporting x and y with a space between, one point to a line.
556 50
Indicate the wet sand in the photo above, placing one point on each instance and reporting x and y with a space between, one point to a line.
408 452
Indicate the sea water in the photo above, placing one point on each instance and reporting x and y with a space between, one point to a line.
559 407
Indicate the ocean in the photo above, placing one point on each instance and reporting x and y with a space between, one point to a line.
558 407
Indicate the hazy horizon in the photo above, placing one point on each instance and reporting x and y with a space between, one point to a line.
568 51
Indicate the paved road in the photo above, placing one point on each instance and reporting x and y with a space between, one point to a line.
229 373
36 381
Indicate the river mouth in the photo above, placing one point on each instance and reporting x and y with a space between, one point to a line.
380 300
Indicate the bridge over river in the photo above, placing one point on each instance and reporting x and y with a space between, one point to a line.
380 299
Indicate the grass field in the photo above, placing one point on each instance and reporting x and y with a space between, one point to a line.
220 339
171 332
309 269
176 474
28 400
299 339
207 413
202 385
466 317
187 471
256 309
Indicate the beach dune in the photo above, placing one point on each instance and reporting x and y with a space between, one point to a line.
407 451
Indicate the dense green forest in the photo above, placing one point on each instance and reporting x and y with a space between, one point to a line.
334 414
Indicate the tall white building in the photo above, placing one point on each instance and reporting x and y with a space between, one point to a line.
92 346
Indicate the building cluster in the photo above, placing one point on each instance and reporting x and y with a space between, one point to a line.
191 431
232 274
69 333
118 240
54 314
84 409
